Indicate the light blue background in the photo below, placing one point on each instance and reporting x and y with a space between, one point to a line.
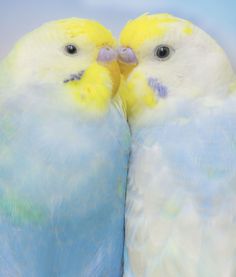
217 17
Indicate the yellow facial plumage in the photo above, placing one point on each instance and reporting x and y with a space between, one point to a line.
75 27
94 90
136 95
40 58
100 81
147 27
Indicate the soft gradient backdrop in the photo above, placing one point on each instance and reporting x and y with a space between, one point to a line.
217 17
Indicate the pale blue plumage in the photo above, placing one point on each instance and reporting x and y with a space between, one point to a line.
181 193
62 189
188 156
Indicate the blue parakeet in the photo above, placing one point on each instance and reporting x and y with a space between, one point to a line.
64 148
181 194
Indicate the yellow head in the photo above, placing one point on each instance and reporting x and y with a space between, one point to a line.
162 56
75 55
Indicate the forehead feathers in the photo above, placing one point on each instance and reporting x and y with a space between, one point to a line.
75 27
147 27
63 31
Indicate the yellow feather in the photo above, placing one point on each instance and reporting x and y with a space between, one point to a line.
147 27
75 27
93 91
136 95
115 75
40 56
188 29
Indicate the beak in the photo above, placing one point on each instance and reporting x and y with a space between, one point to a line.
126 55
107 56
127 60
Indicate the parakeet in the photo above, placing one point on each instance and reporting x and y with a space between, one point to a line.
181 191
64 148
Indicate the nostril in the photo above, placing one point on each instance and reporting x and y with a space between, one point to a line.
106 54
127 55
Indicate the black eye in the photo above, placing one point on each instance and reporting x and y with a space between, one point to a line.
163 52
71 49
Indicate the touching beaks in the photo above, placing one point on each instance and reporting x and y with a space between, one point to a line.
126 55
106 54
123 54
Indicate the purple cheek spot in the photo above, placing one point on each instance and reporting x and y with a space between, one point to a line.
159 88
106 54
126 55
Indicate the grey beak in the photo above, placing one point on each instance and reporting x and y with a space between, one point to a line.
106 54
127 55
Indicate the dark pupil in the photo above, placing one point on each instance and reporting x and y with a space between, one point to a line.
71 49
163 52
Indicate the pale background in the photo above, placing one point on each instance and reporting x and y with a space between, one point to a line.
217 17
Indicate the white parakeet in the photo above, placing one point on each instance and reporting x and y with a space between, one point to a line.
181 196
64 147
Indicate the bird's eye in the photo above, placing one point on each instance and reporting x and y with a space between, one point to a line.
163 52
71 49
